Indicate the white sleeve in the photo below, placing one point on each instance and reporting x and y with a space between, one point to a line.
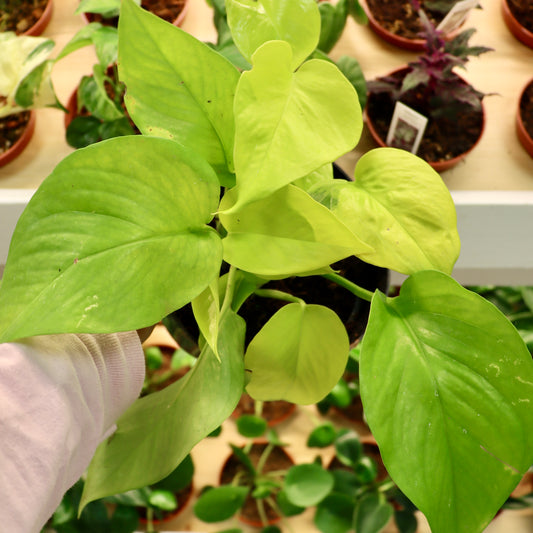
60 396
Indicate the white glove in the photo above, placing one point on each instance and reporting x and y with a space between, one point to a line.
60 396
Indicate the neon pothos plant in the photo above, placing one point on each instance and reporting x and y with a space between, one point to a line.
118 236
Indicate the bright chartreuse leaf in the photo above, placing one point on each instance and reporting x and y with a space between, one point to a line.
285 233
400 206
447 387
254 22
298 355
177 87
158 431
206 309
287 123
115 238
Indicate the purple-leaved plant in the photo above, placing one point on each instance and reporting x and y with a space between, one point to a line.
431 86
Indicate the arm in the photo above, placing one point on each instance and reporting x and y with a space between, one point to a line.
60 396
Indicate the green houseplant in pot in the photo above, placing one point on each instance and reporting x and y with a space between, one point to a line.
363 498
431 87
121 234
95 109
24 86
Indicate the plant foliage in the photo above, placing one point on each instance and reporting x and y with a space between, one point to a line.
127 230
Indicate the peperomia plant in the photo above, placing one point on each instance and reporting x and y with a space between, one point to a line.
236 167
431 85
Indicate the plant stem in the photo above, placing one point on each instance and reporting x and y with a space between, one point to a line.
150 520
262 513
230 287
278 295
349 285
264 457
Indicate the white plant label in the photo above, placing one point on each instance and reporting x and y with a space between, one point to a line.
456 16
406 128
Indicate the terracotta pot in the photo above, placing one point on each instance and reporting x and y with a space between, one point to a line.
413 45
40 25
227 473
90 17
521 131
21 143
519 31
439 166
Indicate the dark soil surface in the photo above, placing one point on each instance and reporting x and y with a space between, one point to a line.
168 10
444 139
352 311
399 18
526 109
21 15
11 128
278 460
522 11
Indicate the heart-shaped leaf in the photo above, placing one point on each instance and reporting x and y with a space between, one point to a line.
220 503
254 22
177 87
206 309
307 484
372 513
447 386
301 237
158 431
298 355
287 123
400 205
135 201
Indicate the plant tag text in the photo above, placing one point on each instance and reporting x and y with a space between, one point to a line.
406 128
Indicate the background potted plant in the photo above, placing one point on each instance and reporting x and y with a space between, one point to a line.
107 11
399 24
24 86
363 496
27 17
95 109
264 140
251 480
431 87
97 516
519 19
524 118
